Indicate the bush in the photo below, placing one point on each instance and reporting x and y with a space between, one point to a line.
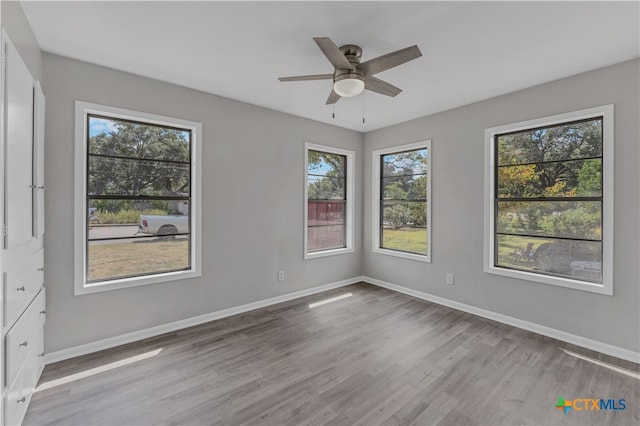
583 221
126 216
557 256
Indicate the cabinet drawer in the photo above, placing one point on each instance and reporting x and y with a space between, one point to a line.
21 284
23 338
19 394
15 402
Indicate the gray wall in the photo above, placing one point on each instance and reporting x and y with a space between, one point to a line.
457 239
252 205
15 23
243 248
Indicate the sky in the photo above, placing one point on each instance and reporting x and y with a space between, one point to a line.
100 125
319 169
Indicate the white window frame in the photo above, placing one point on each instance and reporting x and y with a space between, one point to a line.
350 187
375 206
606 112
82 109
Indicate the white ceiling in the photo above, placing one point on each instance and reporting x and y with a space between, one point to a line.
472 50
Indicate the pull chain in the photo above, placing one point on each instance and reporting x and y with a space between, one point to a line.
333 114
363 107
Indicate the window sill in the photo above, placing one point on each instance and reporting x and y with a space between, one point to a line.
555 281
84 288
326 253
404 255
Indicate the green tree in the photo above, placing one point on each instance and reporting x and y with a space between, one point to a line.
397 215
326 175
121 161
552 162
551 148
590 178
395 191
405 180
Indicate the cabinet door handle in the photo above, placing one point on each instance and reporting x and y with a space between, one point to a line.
32 186
25 343
21 289
43 312
41 269
23 399
41 187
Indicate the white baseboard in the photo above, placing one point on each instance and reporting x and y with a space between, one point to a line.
188 322
584 342
111 342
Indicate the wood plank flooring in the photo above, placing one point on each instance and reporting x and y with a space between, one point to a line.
375 358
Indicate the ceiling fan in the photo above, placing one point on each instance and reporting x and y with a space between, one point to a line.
351 77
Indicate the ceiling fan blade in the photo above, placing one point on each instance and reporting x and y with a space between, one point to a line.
333 54
390 60
307 77
376 85
333 98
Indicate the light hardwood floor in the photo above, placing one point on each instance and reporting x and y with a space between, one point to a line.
377 357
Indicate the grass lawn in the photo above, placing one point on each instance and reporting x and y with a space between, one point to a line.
407 239
507 246
135 258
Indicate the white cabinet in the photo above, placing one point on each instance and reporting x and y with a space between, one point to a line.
23 159
21 284
18 149
22 255
18 395
23 337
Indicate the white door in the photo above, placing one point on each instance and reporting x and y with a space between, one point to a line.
18 159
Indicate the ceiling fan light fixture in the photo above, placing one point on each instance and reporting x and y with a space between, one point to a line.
349 87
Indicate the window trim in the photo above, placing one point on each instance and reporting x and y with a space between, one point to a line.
604 111
375 205
82 109
350 188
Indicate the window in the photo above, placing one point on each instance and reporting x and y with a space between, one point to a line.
137 213
402 201
550 212
328 212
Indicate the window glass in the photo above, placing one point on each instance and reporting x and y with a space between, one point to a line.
403 201
549 200
326 201
138 199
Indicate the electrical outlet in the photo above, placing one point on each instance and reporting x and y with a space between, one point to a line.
280 275
450 279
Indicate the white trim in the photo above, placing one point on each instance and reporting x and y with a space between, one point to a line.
349 221
375 206
573 339
134 336
3 37
606 111
146 333
80 212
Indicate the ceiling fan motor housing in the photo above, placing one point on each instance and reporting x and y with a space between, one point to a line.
352 50
349 82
